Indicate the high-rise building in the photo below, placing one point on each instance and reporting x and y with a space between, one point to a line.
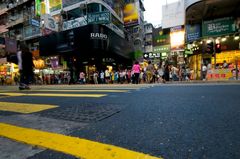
86 35
148 39
134 22
18 21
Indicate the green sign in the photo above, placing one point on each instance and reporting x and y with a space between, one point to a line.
218 27
98 18
161 49
37 7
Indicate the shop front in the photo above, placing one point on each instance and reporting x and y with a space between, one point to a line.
89 48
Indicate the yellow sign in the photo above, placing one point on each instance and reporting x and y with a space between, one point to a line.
55 5
130 14
39 64
228 56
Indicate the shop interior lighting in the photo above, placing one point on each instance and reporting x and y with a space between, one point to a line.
217 41
201 42
236 37
224 39
209 41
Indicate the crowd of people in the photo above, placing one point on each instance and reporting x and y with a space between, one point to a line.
136 75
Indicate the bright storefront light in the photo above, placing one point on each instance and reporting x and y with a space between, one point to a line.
177 38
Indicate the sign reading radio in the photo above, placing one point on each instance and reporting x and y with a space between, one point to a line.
98 36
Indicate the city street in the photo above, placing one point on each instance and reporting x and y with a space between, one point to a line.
148 121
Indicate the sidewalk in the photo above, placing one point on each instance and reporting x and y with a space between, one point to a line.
115 86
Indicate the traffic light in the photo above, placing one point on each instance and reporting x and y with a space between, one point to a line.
218 48
210 48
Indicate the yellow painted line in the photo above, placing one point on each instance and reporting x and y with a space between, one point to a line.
54 95
24 107
82 90
77 147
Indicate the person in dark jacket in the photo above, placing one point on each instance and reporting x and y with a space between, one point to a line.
25 64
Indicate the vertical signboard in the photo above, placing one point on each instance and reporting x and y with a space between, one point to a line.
37 7
131 16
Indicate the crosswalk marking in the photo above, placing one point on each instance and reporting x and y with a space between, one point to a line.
54 95
24 107
81 148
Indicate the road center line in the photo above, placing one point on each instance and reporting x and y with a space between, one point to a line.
69 145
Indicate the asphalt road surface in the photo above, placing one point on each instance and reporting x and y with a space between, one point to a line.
172 121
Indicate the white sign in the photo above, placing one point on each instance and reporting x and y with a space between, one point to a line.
98 36
78 22
48 22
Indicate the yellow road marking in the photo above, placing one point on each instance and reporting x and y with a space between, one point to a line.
81 148
54 95
24 107
82 90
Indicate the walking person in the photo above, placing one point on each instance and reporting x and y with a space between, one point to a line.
25 64
149 72
136 70
95 77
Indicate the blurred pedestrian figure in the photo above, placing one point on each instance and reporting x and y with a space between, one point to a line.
102 77
204 72
82 77
136 70
25 64
149 71
107 76
95 77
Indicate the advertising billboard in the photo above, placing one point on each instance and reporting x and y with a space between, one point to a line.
193 32
219 27
161 37
55 5
177 38
37 7
131 16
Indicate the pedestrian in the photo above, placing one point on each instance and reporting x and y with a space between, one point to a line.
82 77
136 70
95 77
102 77
25 64
107 76
149 72
204 72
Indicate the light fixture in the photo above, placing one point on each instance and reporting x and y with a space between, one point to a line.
224 39
209 41
217 41
236 37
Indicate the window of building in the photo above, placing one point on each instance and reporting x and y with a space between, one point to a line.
116 22
93 8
